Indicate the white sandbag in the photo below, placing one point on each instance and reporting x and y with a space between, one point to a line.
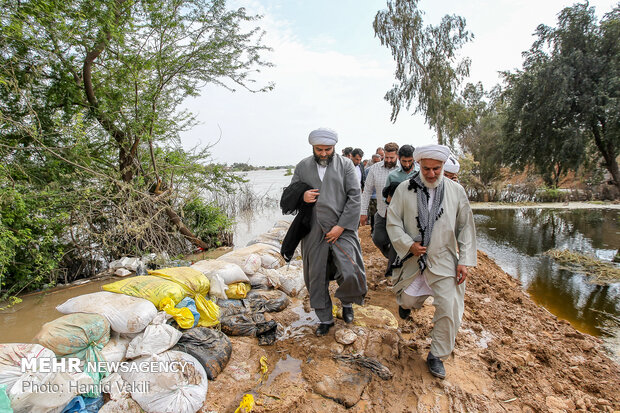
291 280
36 391
156 338
218 287
278 233
126 314
11 358
116 349
249 263
121 406
282 224
120 397
266 239
181 391
265 278
270 262
228 271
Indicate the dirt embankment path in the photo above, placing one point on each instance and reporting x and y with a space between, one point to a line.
511 355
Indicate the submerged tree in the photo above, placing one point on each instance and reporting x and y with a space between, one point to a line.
90 95
428 72
567 96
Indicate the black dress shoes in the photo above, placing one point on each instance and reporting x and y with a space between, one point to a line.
323 329
403 312
347 314
435 366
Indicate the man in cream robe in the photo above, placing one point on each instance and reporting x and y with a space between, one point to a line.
434 246
332 248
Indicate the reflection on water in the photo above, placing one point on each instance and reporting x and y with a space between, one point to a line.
516 238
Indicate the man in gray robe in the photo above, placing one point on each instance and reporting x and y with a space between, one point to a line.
331 250
431 226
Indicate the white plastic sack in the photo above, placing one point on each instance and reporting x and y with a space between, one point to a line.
121 406
27 391
229 272
126 314
270 262
262 250
265 278
218 287
131 264
291 280
116 349
157 338
183 391
120 397
249 263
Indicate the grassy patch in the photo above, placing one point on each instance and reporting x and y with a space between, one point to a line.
601 272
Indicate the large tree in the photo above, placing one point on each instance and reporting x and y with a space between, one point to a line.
428 70
90 118
567 96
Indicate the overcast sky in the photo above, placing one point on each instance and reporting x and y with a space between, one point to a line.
331 71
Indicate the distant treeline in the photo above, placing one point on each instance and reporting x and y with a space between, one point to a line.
244 167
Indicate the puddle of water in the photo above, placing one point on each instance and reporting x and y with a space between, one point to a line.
299 327
20 323
287 365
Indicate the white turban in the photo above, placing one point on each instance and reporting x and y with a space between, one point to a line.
437 152
452 165
323 136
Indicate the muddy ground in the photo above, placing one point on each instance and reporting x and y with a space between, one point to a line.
511 355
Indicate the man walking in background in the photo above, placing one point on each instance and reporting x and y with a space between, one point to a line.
356 157
331 250
375 181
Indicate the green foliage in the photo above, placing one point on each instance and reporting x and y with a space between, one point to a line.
427 71
482 133
30 249
90 122
566 98
207 220
550 195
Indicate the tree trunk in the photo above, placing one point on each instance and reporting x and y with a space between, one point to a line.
176 219
607 150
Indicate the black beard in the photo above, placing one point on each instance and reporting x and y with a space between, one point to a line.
389 165
323 162
407 169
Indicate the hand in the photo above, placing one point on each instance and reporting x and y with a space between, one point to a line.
333 234
461 274
363 220
311 195
417 249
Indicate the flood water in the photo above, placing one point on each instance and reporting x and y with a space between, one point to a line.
516 239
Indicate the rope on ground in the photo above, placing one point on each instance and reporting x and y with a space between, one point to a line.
367 362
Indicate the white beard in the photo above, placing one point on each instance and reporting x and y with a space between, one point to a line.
432 185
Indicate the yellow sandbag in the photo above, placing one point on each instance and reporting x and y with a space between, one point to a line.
183 316
149 287
190 277
370 316
238 290
196 286
208 310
